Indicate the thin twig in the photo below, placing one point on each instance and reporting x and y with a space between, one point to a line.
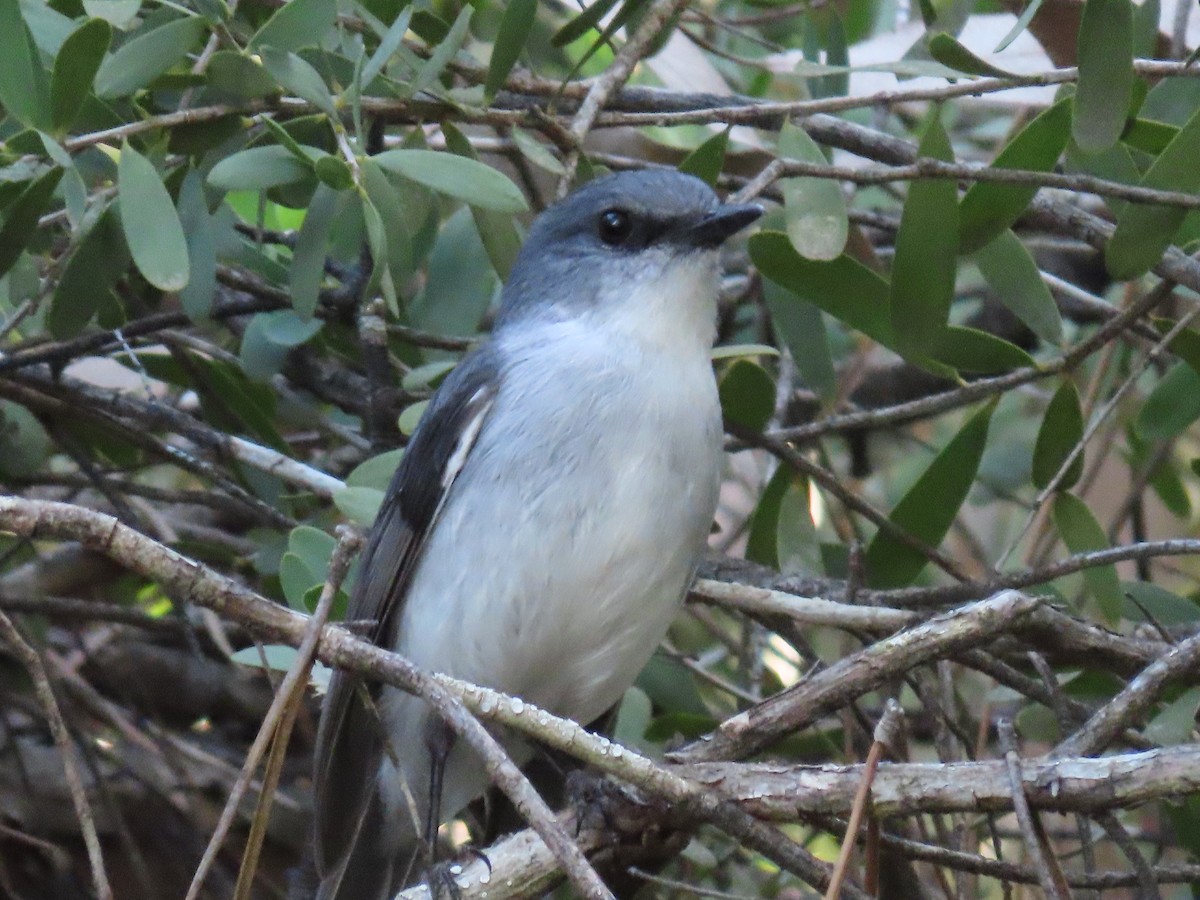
62 739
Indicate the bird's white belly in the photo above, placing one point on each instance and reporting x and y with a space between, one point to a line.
561 555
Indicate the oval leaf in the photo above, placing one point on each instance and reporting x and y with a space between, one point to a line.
1011 272
1144 231
815 208
257 169
21 222
24 91
843 287
707 160
923 271
1172 406
928 509
1105 74
455 176
93 269
1061 431
747 395
297 24
75 69
1081 533
147 56
151 225
990 208
510 40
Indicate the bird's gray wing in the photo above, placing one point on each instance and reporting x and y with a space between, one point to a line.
349 746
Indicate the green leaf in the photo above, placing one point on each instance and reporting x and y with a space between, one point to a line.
533 150
1082 534
582 23
299 78
1061 431
147 56
117 13
456 176
510 40
1144 231
1185 345
972 350
151 225
75 68
21 221
24 90
257 169
843 287
86 283
922 285
1010 270
707 160
929 507
802 329
359 504
990 208
286 329
296 24
633 718
376 472
308 255
949 52
201 233
261 358
24 445
239 77
762 541
747 395
1022 23
1175 723
444 52
388 45
815 208
398 258
1159 604
460 282
1105 53
496 230
1173 405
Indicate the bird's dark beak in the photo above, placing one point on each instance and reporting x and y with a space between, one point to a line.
722 223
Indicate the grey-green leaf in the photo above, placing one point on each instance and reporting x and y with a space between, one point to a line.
1061 431
1082 534
923 271
147 56
299 78
1105 74
257 169
815 208
456 176
24 90
297 24
93 269
514 31
1144 230
75 69
1011 272
308 256
21 220
151 224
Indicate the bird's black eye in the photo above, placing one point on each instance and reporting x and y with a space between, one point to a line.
615 226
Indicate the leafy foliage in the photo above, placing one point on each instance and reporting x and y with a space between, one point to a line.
241 244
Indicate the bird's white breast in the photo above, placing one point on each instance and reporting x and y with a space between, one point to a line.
566 543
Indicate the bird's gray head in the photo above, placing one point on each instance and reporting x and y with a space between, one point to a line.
634 245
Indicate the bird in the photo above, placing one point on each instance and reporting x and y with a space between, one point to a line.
546 516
